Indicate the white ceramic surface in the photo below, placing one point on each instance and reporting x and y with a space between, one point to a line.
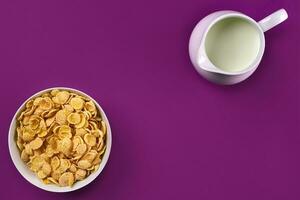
29 175
200 59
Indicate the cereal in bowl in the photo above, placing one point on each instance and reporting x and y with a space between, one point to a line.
61 137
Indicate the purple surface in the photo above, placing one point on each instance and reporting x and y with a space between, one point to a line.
175 135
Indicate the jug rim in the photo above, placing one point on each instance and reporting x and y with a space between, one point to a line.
255 62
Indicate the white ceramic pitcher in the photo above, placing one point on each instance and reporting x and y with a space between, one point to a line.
198 48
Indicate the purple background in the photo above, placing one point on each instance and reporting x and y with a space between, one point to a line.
175 135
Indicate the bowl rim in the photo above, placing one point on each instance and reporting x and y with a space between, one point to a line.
54 188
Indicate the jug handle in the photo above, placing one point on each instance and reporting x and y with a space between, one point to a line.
274 19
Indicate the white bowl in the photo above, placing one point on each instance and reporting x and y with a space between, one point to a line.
29 175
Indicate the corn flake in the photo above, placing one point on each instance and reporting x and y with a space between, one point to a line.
74 118
62 97
55 162
36 143
77 103
90 139
80 174
66 179
61 117
84 164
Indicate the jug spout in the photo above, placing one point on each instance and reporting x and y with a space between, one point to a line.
197 51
